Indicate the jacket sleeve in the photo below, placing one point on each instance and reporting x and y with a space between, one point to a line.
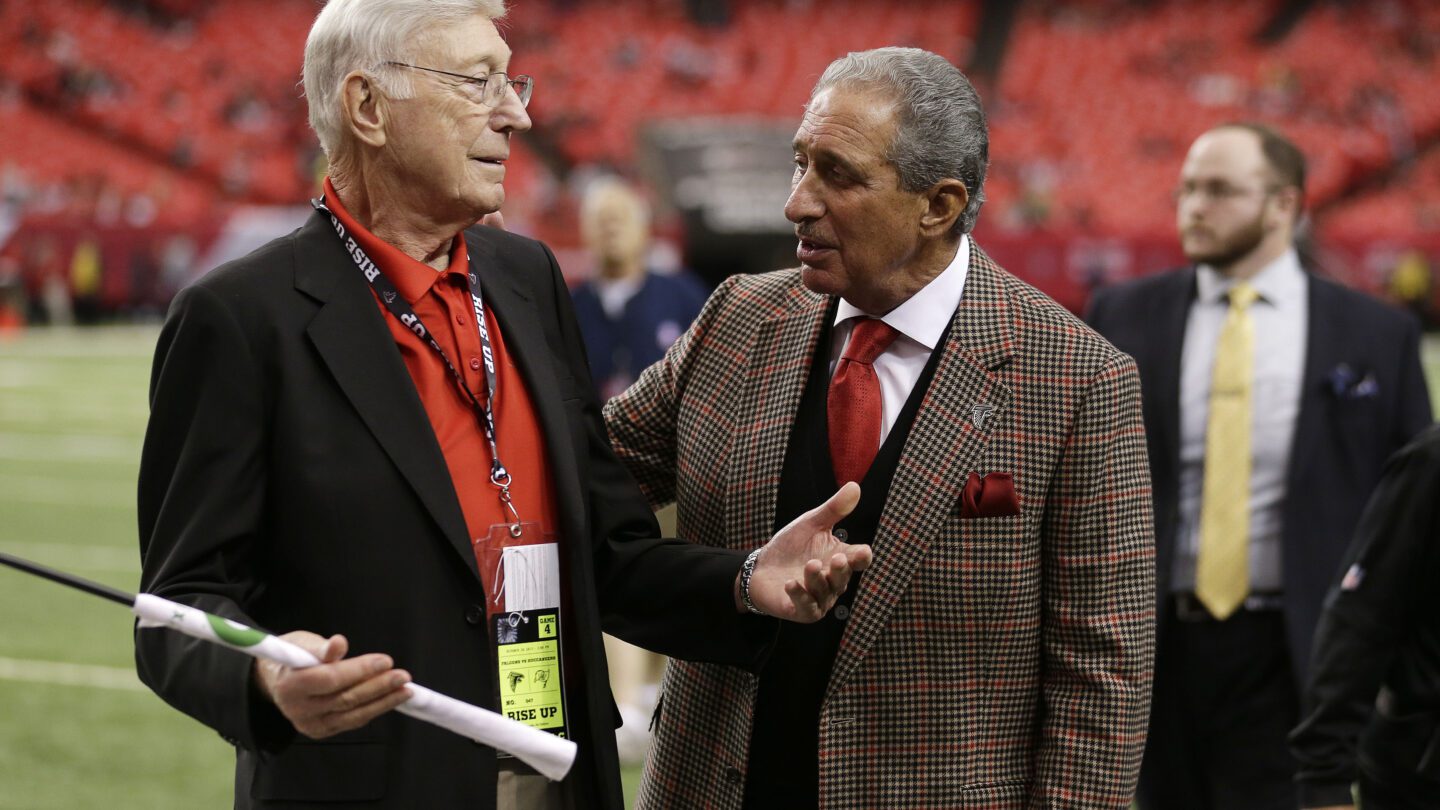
201 497
642 421
1367 616
1098 626
666 595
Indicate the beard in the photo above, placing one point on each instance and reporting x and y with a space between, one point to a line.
1222 251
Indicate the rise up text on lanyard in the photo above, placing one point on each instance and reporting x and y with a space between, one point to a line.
526 634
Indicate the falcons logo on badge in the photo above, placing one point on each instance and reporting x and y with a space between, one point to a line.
980 414
389 297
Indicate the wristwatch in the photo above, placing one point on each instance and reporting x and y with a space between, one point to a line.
747 570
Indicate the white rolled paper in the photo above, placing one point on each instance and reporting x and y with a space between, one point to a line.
546 753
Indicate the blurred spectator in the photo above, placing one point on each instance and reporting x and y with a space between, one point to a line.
12 297
85 272
1410 283
629 315
44 273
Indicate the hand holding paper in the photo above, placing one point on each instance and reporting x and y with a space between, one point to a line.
546 753
338 694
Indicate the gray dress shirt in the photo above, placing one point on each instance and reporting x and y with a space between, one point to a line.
1280 317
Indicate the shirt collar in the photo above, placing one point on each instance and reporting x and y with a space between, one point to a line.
412 278
924 315
1280 283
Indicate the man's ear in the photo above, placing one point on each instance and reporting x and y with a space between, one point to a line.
1287 201
363 108
946 201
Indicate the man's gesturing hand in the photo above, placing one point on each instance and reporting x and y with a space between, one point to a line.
338 695
804 568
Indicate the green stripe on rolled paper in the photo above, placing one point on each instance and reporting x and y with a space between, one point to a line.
231 634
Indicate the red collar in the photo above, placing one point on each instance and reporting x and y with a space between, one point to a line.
411 278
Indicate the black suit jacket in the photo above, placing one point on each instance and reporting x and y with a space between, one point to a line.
1343 435
290 479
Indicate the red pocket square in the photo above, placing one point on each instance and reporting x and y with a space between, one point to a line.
990 495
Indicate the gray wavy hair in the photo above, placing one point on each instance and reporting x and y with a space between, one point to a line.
350 35
942 132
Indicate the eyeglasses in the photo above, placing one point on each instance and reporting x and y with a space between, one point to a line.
491 89
1219 192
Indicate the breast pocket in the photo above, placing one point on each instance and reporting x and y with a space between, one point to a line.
977 569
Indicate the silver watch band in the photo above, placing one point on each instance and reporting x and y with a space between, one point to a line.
747 570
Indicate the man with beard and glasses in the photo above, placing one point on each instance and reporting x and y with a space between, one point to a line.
1272 400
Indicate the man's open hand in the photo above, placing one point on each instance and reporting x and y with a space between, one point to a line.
804 568
338 695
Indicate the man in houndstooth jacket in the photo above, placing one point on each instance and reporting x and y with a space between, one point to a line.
998 653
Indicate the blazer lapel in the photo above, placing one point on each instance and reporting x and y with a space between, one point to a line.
1163 365
518 317
1323 352
350 334
779 365
947 441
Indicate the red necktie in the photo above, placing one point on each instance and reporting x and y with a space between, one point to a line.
855 399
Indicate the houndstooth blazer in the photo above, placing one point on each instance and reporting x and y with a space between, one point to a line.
997 662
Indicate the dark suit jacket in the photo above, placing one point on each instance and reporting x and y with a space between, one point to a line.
291 480
1342 438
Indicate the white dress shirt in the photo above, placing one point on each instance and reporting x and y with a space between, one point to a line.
1280 316
921 321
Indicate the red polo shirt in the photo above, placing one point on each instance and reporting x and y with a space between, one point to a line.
442 300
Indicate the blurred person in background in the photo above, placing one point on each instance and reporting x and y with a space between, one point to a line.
1272 400
329 416
1372 705
629 314
998 652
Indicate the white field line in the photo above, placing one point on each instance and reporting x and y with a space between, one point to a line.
93 447
62 674
78 556
84 342
66 492
121 411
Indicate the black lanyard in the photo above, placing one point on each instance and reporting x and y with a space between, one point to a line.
401 309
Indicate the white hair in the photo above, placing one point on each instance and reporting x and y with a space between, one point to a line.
350 35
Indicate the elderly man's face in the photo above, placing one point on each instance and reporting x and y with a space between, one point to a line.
446 150
859 231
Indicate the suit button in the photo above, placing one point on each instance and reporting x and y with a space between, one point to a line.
733 775
841 535
474 614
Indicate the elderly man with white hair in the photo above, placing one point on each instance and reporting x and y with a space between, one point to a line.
381 428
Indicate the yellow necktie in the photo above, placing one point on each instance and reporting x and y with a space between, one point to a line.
1222 571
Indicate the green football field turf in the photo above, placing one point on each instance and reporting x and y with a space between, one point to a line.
77 729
